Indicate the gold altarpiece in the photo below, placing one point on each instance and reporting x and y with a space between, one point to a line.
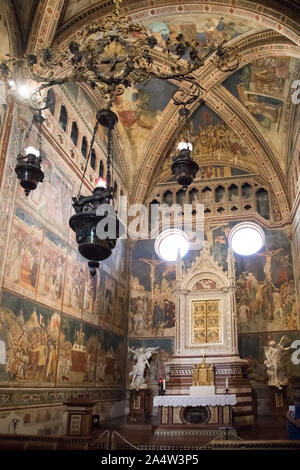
206 362
206 323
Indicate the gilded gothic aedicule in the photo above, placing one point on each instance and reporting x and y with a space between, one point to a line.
203 374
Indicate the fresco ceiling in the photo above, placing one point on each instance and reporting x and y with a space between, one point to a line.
247 112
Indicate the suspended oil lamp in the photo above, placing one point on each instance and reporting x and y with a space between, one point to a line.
28 167
184 167
87 214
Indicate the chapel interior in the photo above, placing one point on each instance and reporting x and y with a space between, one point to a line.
135 350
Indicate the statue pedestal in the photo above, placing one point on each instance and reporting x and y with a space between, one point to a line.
140 405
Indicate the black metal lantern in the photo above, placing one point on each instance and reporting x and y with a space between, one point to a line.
184 167
28 167
29 172
86 218
84 223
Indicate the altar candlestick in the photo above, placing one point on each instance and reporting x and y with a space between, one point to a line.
164 384
226 383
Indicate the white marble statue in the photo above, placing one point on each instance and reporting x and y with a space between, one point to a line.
141 355
273 356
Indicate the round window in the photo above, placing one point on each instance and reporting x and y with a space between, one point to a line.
246 238
171 243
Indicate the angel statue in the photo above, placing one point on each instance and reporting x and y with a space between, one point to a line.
273 358
141 355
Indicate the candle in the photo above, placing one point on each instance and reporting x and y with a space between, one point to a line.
164 384
226 383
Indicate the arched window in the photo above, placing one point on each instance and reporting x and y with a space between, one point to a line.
74 133
194 196
50 101
84 147
101 169
153 219
63 118
93 159
246 190
262 203
180 197
207 195
168 198
233 193
220 194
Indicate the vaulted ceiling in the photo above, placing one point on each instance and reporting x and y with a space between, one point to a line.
244 118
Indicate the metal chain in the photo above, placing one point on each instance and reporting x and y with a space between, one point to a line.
108 173
88 157
40 134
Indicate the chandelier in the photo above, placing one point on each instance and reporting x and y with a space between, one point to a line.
110 55
114 54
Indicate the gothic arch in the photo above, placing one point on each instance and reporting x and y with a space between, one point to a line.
13 32
44 24
209 76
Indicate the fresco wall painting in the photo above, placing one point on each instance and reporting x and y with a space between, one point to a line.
265 296
152 309
50 306
44 347
213 139
77 352
23 254
52 270
296 247
30 333
52 200
110 370
208 30
263 87
140 109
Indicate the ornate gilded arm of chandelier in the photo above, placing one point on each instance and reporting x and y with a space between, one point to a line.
112 54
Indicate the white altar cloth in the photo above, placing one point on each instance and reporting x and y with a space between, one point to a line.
188 400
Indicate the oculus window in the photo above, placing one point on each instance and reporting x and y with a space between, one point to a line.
172 243
246 238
